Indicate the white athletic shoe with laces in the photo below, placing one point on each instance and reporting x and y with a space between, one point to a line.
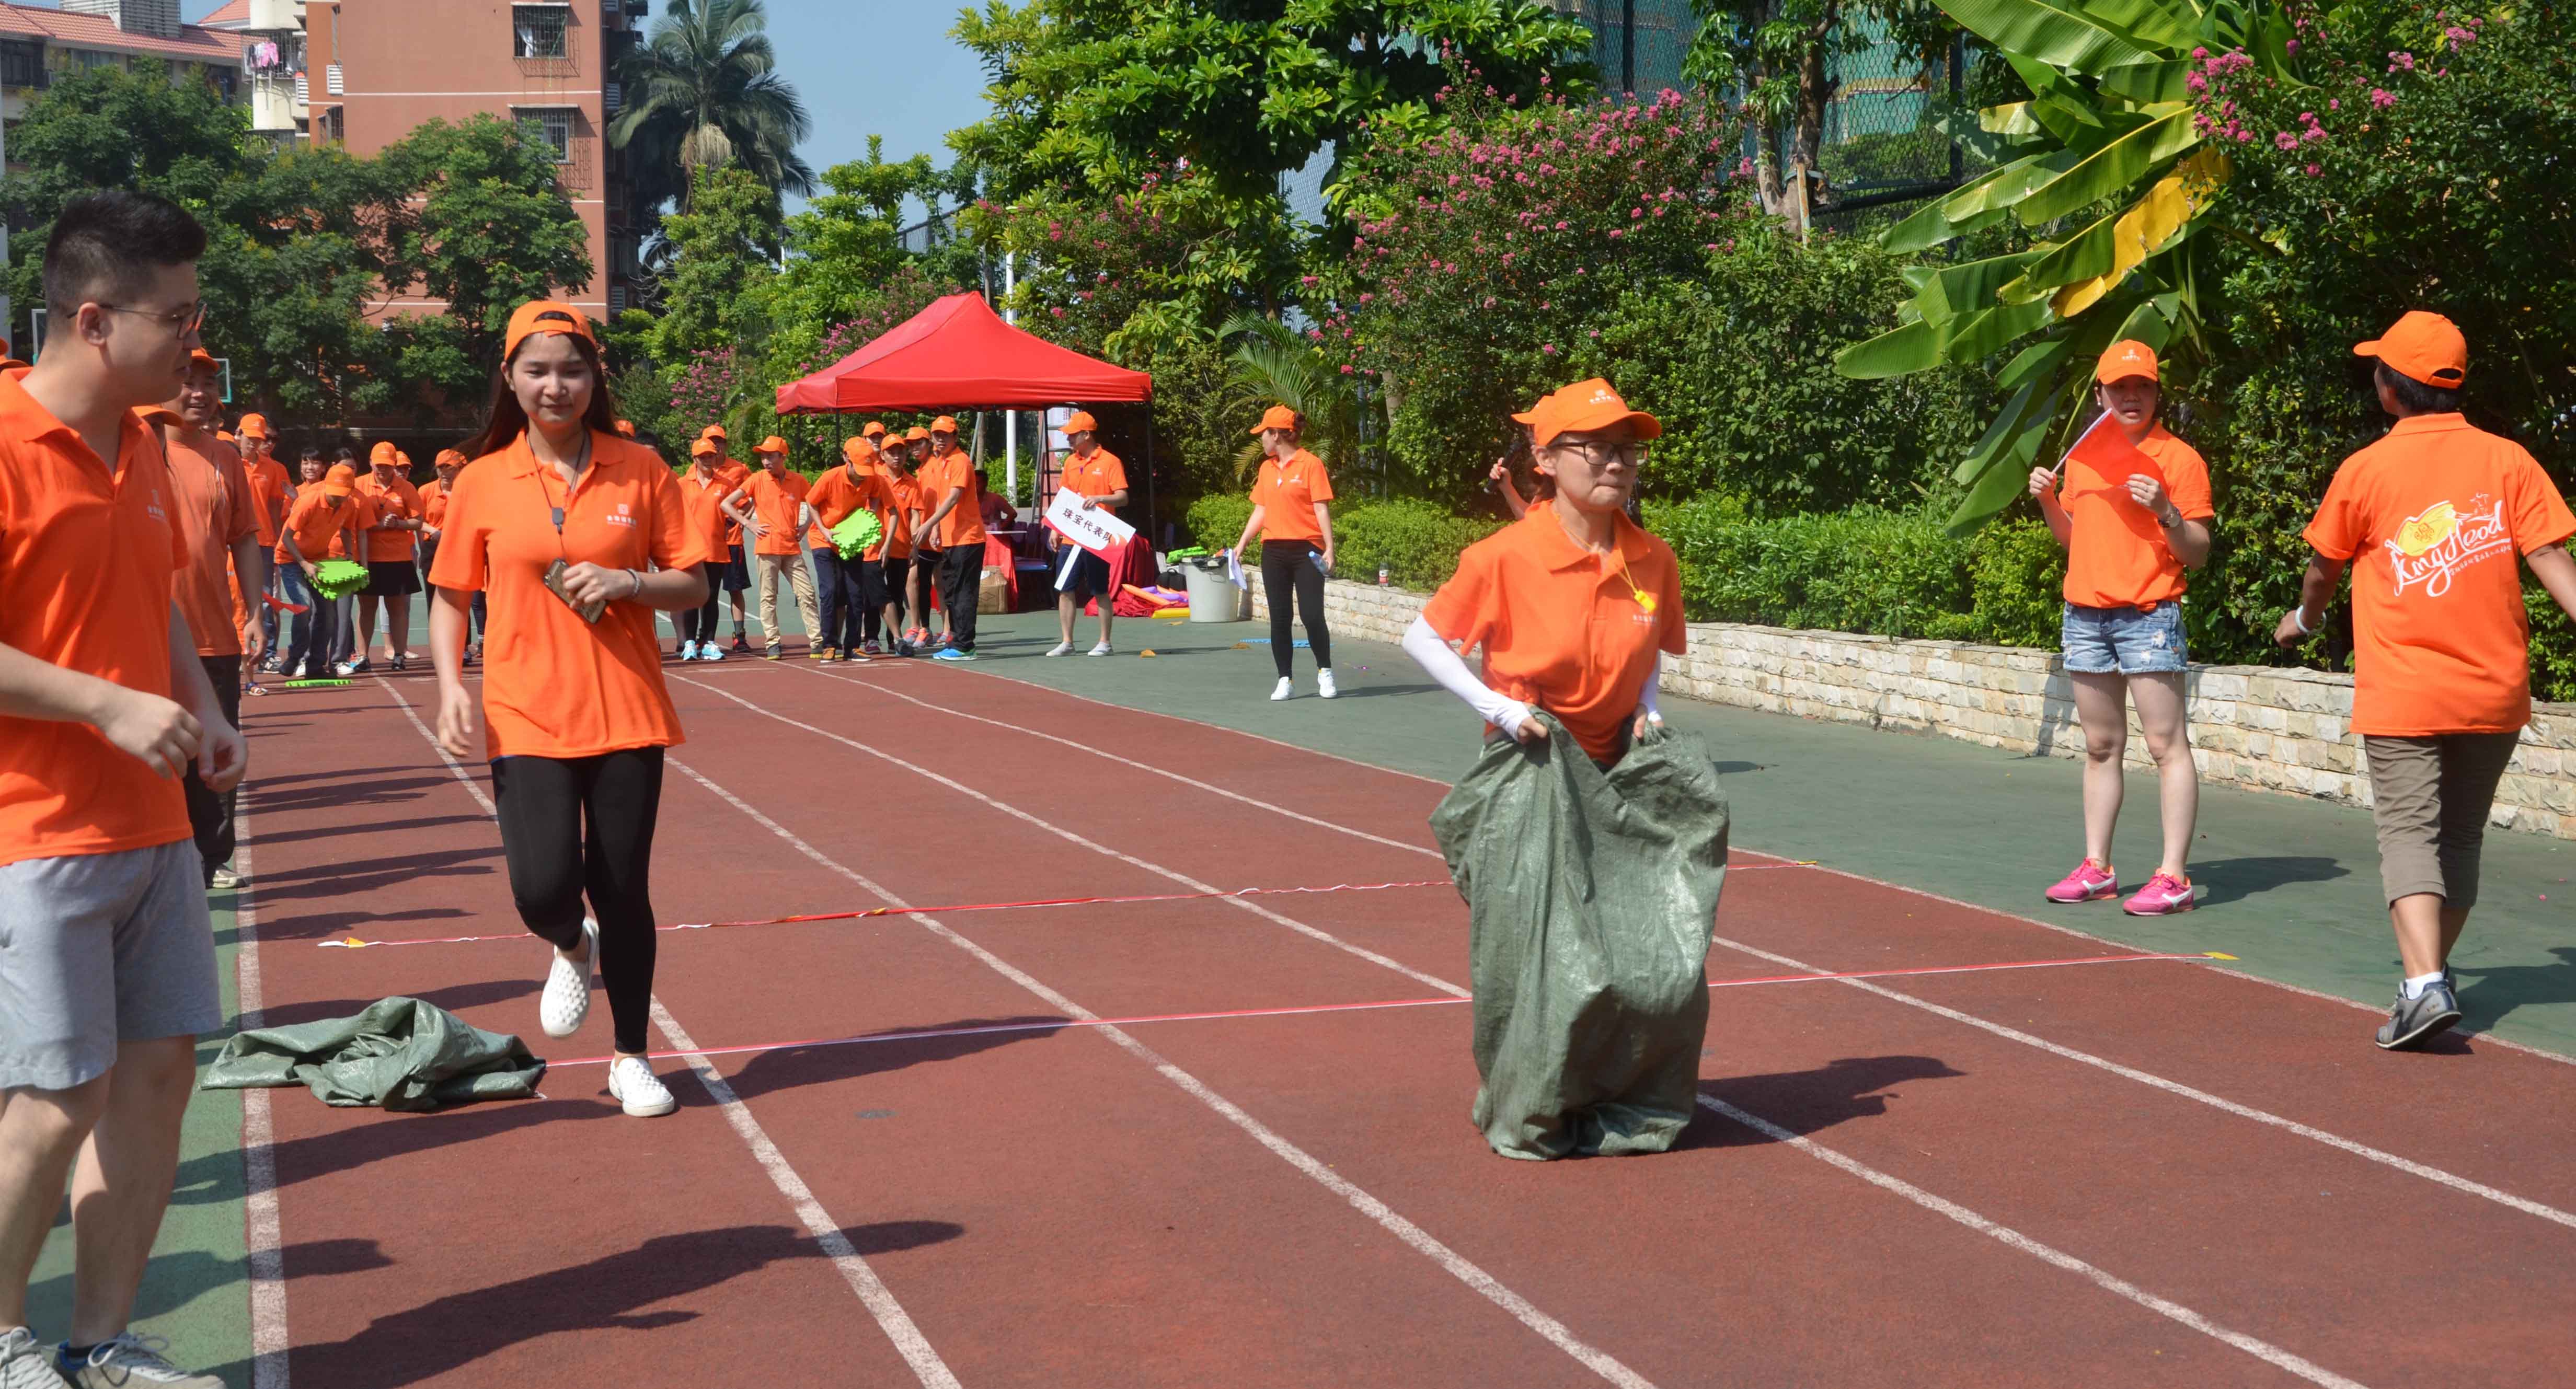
1062 648
130 1361
25 1362
566 1001
1324 687
1101 650
631 1083
1283 689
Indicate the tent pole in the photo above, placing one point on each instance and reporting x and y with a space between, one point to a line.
1149 478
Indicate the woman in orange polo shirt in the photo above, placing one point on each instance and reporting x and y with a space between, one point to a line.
1296 530
703 490
2129 539
578 536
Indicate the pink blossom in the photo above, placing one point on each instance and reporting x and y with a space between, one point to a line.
2313 171
2381 99
2285 140
1547 349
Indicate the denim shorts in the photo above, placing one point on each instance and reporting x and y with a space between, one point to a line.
2123 641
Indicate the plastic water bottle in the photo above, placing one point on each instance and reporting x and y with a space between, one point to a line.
1381 576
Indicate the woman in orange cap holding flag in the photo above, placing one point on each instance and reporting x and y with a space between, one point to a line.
2132 510
579 536
2429 519
1296 530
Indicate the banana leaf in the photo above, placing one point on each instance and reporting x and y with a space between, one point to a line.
2111 170
2006 477
2058 35
1907 348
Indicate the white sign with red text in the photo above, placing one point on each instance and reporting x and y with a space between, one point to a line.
1096 529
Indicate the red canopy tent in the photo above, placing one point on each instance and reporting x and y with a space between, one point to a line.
959 353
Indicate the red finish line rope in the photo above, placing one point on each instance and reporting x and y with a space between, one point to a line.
355 943
1063 1024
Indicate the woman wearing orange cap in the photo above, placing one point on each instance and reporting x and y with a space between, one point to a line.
703 490
904 507
433 518
1296 530
2133 514
578 536
733 568
921 581
1098 477
392 575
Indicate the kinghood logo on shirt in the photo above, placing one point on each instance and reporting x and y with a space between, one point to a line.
2435 544
625 515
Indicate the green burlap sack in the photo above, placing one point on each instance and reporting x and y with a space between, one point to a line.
338 578
1591 898
857 534
399 1053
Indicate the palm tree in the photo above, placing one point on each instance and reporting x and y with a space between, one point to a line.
703 91
1269 363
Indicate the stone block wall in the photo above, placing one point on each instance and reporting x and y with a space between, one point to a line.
2253 727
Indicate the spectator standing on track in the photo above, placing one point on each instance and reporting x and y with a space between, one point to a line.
703 492
770 507
109 971
579 536
925 541
957 519
1098 477
329 520
736 568
2130 542
2429 519
848 588
903 513
217 512
286 576
433 525
1296 530
392 575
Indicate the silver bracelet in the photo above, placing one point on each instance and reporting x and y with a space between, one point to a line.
2299 619
638 590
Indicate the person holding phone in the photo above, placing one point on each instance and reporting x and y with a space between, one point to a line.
1290 514
578 536
2130 544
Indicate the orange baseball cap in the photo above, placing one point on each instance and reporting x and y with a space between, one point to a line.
772 444
254 426
857 447
403 458
945 424
224 434
384 453
874 428
447 456
1276 417
544 316
915 435
713 431
1081 422
1581 407
2422 346
704 448
341 481
198 359
626 428
2125 359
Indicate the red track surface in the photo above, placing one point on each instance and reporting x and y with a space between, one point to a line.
1050 1208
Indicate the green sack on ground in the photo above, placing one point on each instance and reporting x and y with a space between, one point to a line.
338 578
1591 898
399 1053
857 534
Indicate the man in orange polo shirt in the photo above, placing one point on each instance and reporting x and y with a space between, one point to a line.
702 495
849 588
770 508
217 515
2429 519
958 520
273 487
393 576
328 521
733 572
108 974
1097 476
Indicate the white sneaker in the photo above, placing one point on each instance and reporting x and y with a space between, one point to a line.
226 879
1062 648
1324 684
25 1362
688 651
1100 650
631 1082
566 1000
711 652
1283 689
130 1360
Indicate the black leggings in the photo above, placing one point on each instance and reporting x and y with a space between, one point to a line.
1285 569
699 624
585 825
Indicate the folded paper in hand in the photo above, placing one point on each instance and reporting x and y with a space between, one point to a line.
1096 529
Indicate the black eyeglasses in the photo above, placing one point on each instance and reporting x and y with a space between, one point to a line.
180 322
1600 451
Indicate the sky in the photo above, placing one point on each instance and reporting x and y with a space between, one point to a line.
910 83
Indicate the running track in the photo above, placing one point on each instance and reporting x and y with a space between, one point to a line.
2144 1173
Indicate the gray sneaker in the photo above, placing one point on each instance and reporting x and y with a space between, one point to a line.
133 1362
2414 1021
26 1363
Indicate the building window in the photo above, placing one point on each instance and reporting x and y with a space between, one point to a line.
22 64
550 127
91 60
539 31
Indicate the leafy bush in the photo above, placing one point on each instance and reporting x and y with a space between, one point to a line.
1895 574
1417 543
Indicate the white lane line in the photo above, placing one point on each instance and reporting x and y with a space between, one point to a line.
1307 1164
1211 789
262 1234
2005 1234
1093 845
897 1324
2173 1087
1421 1241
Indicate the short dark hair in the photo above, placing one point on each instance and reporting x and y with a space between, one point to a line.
345 455
313 451
2418 397
104 244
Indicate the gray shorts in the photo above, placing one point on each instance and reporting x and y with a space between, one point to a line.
97 949
2429 798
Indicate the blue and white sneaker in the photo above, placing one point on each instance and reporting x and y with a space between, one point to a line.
951 653
688 651
709 651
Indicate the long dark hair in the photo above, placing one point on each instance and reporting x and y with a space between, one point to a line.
506 420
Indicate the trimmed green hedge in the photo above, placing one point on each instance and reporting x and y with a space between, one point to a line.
1416 542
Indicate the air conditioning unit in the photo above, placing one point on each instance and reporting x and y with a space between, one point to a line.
331 81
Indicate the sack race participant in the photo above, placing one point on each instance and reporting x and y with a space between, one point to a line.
579 536
1589 842
2429 519
1098 477
1296 530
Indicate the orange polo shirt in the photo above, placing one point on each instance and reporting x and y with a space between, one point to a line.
1288 493
776 501
270 484
395 500
86 560
2116 554
702 499
2432 517
554 685
732 475
321 527
1564 629
216 508
433 504
846 489
904 510
1096 476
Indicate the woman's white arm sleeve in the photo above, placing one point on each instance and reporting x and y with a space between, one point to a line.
1430 651
1654 680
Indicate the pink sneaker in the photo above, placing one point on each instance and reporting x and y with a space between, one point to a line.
2090 882
2163 895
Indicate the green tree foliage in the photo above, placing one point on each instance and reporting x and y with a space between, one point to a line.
1778 57
712 296
1270 364
846 249
704 91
